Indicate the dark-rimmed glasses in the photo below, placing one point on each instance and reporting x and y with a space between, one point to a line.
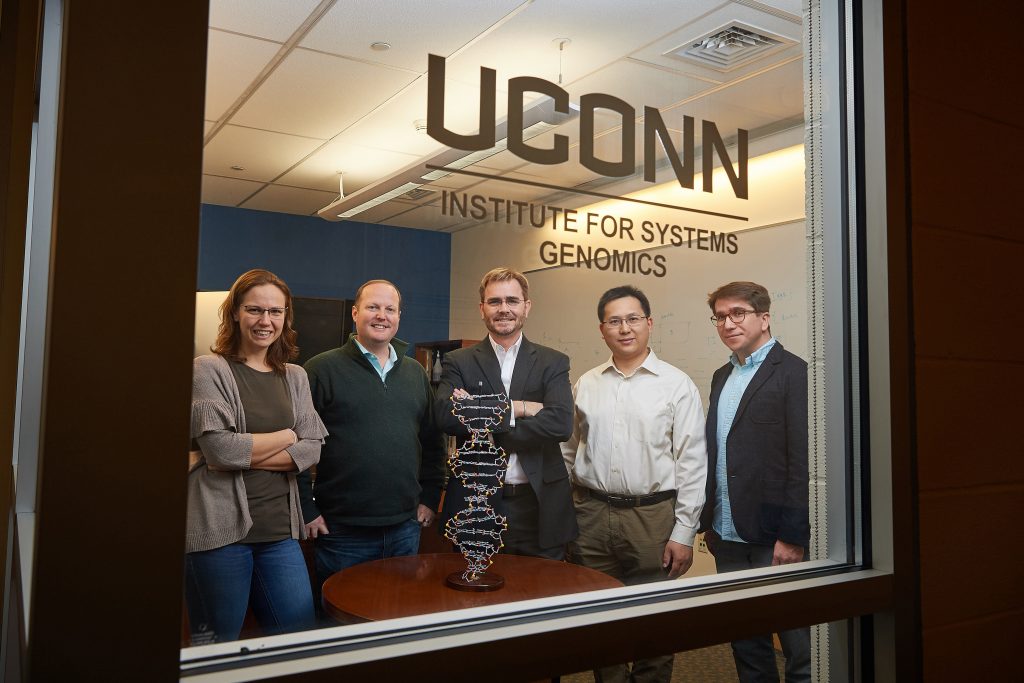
736 315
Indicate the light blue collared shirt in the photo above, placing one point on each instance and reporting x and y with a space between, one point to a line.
728 402
375 362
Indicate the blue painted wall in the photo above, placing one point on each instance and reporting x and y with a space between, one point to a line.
322 259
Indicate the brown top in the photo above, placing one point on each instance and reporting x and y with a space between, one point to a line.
268 408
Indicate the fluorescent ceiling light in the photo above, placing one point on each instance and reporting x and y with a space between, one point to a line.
538 119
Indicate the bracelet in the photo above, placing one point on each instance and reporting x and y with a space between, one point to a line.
525 414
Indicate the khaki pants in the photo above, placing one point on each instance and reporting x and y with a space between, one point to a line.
627 543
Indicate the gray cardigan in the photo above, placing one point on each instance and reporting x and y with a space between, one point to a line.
218 511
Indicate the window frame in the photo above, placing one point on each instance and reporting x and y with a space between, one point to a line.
78 468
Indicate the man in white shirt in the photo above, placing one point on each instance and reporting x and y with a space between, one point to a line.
638 462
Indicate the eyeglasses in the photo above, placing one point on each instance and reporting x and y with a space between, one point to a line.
257 311
633 321
736 315
510 301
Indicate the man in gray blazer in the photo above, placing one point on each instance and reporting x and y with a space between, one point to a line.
756 513
536 497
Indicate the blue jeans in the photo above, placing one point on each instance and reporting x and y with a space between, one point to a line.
346 545
221 583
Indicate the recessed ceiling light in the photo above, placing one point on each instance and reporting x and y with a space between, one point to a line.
237 168
380 46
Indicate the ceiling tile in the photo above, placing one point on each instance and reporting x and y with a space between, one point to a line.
272 19
262 154
602 31
318 95
387 141
794 7
413 29
654 52
402 213
227 191
361 166
639 85
508 189
775 94
568 174
232 62
392 126
289 200
762 100
455 181
366 104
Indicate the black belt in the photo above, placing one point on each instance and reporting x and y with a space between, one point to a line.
621 501
510 490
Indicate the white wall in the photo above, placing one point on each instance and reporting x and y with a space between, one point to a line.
771 250
207 320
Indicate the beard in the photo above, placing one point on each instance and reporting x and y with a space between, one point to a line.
504 326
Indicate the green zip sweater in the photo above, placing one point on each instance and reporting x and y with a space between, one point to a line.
383 455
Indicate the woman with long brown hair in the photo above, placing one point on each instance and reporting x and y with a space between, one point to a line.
253 429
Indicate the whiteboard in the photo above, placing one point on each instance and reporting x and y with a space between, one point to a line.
564 313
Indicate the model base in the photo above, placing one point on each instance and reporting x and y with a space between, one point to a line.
483 582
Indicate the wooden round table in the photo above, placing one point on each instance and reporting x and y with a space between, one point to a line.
407 586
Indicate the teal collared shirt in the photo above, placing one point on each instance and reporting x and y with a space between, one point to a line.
728 402
375 362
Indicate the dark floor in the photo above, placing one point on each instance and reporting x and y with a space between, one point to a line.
708 665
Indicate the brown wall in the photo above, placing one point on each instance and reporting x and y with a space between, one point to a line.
964 114
109 524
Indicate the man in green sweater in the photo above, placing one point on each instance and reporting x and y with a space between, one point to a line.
381 469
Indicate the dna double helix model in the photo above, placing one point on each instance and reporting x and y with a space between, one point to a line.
479 464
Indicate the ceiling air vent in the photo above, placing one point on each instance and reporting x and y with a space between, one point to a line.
729 47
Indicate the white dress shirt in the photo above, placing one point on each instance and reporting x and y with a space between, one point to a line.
507 360
641 434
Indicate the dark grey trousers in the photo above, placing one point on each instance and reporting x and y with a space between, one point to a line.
755 657
521 537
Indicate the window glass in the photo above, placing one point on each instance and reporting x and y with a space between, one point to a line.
679 161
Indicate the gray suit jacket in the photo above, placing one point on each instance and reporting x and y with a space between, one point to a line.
540 374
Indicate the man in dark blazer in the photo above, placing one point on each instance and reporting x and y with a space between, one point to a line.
536 497
756 514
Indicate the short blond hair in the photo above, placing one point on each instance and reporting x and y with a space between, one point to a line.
359 292
504 275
